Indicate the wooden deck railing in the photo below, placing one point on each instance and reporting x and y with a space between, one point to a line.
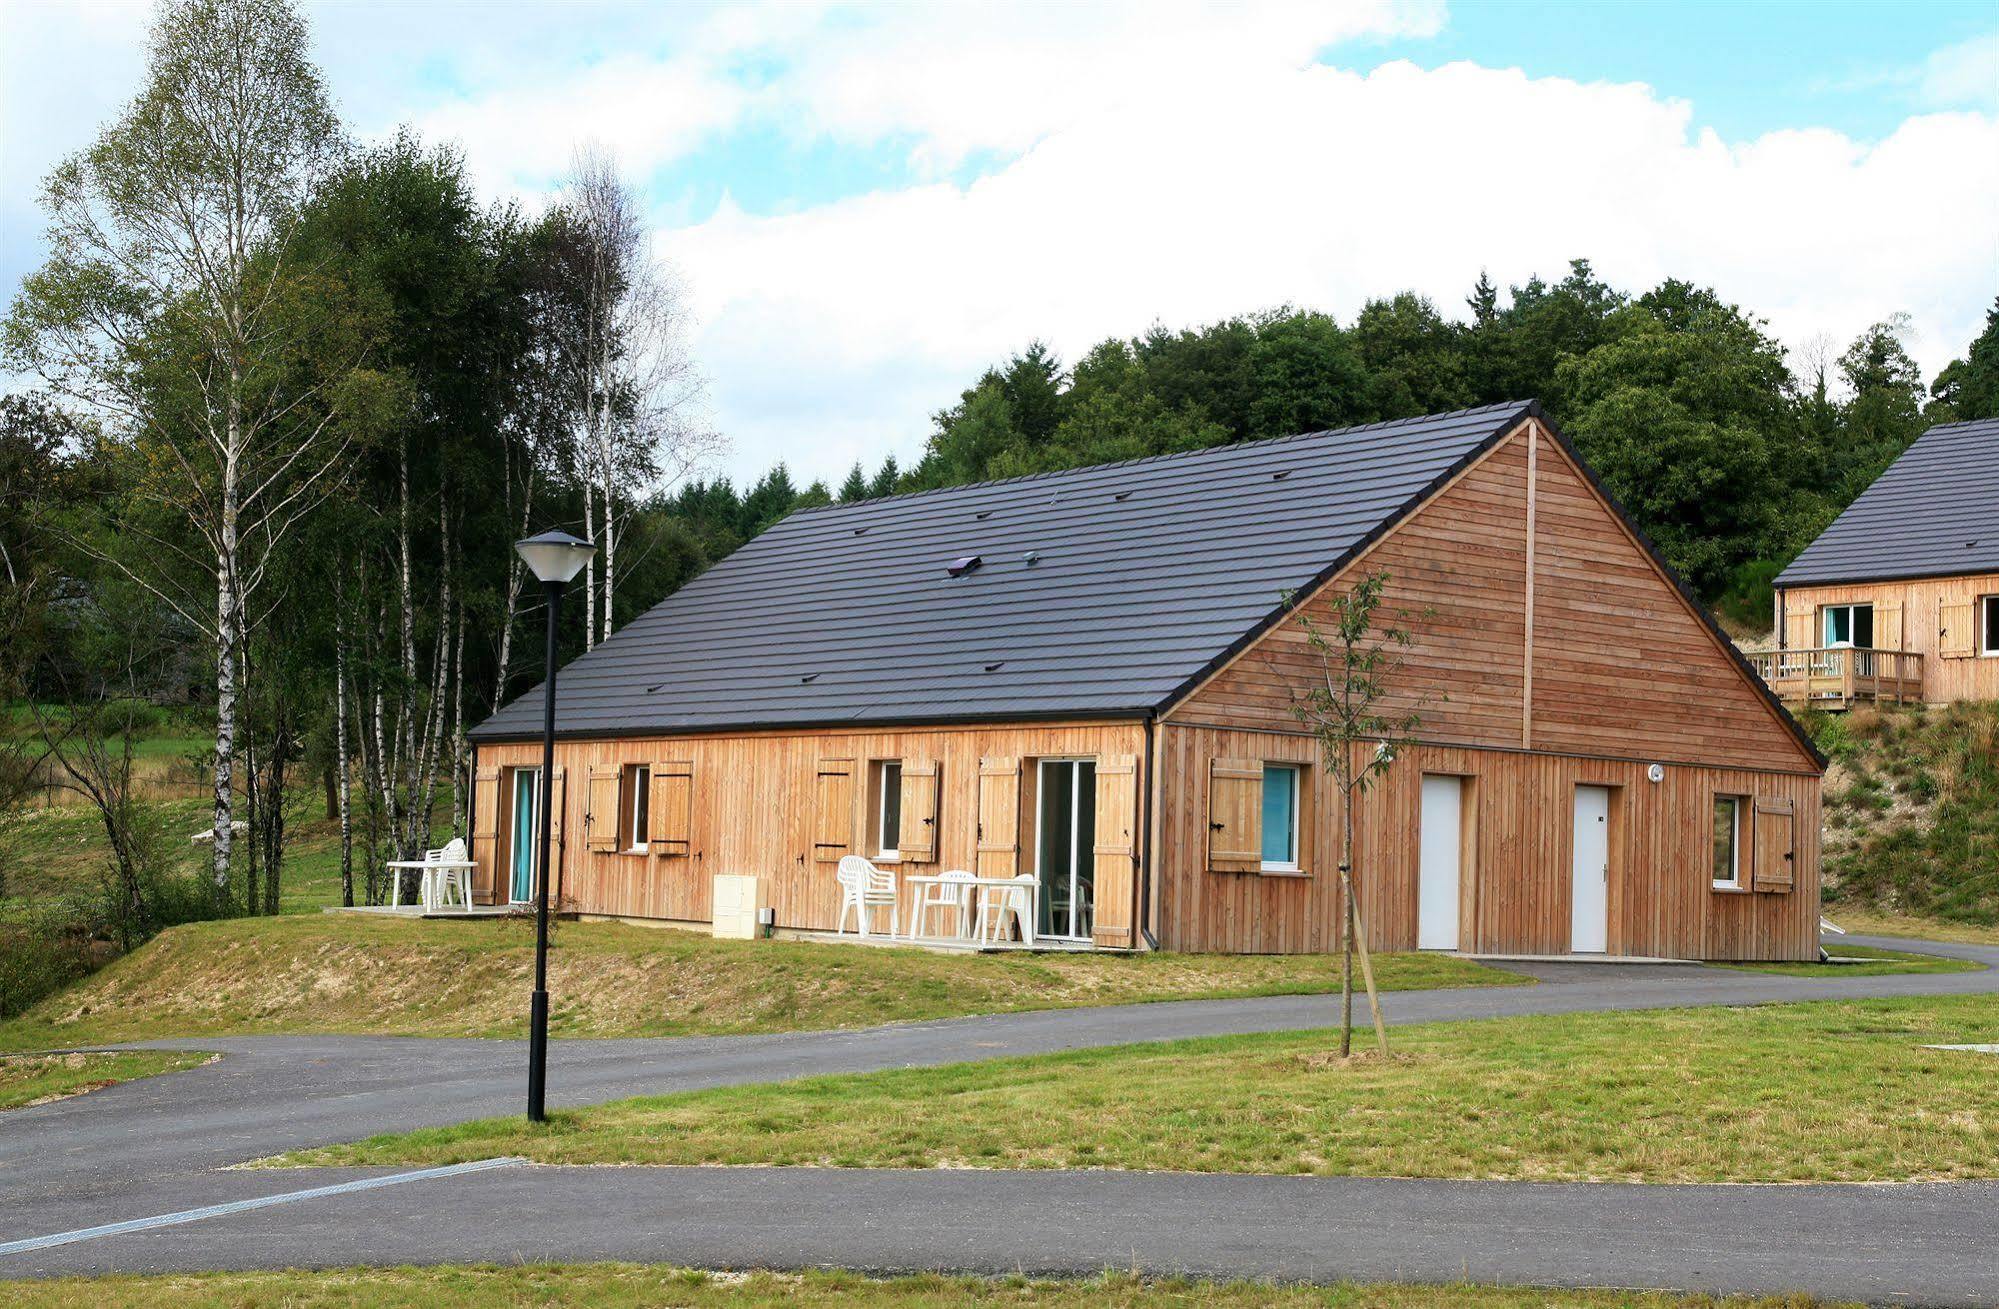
1836 677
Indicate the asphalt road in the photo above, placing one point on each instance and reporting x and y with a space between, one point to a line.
160 1145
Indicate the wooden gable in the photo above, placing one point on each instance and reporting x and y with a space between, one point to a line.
1623 664
1539 622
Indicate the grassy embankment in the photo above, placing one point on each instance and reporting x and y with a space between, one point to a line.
629 1286
36 1079
1912 816
1825 1091
340 973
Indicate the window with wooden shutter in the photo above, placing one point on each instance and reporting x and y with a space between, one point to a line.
916 842
1776 851
672 815
1235 816
600 814
833 810
999 816
1958 637
1116 850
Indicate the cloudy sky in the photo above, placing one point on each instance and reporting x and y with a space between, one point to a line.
869 203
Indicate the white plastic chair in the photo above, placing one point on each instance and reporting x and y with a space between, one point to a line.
952 891
448 882
864 887
999 904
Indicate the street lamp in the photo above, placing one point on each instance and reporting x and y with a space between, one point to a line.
555 557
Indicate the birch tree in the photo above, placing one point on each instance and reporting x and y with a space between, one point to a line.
636 390
163 308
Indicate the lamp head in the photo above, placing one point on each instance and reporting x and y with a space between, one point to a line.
555 556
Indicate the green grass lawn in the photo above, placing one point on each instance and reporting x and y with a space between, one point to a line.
629 1286
1863 961
32 1079
350 973
1825 1091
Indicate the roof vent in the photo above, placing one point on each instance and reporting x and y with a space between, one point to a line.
959 567
1031 558
995 667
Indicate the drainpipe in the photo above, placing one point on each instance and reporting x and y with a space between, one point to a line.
1145 861
1778 599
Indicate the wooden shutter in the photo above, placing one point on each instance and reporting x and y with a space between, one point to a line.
1799 632
1775 850
1958 637
558 830
670 816
600 816
1116 851
1888 628
485 832
1235 816
833 810
916 837
999 816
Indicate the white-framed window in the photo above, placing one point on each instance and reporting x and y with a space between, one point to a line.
1728 811
637 806
1988 625
1281 796
1845 626
888 808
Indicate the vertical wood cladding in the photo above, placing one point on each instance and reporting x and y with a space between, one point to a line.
766 805
1518 837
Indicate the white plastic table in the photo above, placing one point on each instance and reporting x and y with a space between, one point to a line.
965 913
430 884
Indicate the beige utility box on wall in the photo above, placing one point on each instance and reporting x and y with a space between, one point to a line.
735 914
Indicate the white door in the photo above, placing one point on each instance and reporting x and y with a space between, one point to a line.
1438 874
1589 902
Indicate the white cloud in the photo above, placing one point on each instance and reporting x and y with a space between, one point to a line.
1321 187
1962 76
1142 162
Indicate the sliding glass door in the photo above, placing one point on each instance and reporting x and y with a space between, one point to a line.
527 826
1066 837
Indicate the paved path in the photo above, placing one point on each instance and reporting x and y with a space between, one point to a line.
154 1146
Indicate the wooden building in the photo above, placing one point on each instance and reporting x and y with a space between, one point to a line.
1087 676
1898 600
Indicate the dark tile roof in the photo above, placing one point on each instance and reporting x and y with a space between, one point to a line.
1098 591
1934 513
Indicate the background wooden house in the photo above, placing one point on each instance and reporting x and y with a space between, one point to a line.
1899 599
1087 675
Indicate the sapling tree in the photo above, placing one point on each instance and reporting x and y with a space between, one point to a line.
1359 726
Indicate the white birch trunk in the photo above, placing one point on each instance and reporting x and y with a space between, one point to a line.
341 763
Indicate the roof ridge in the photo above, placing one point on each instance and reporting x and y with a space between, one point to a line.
1521 407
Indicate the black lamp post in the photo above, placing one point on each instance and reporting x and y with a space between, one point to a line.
555 557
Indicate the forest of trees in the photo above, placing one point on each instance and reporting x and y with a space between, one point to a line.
287 400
